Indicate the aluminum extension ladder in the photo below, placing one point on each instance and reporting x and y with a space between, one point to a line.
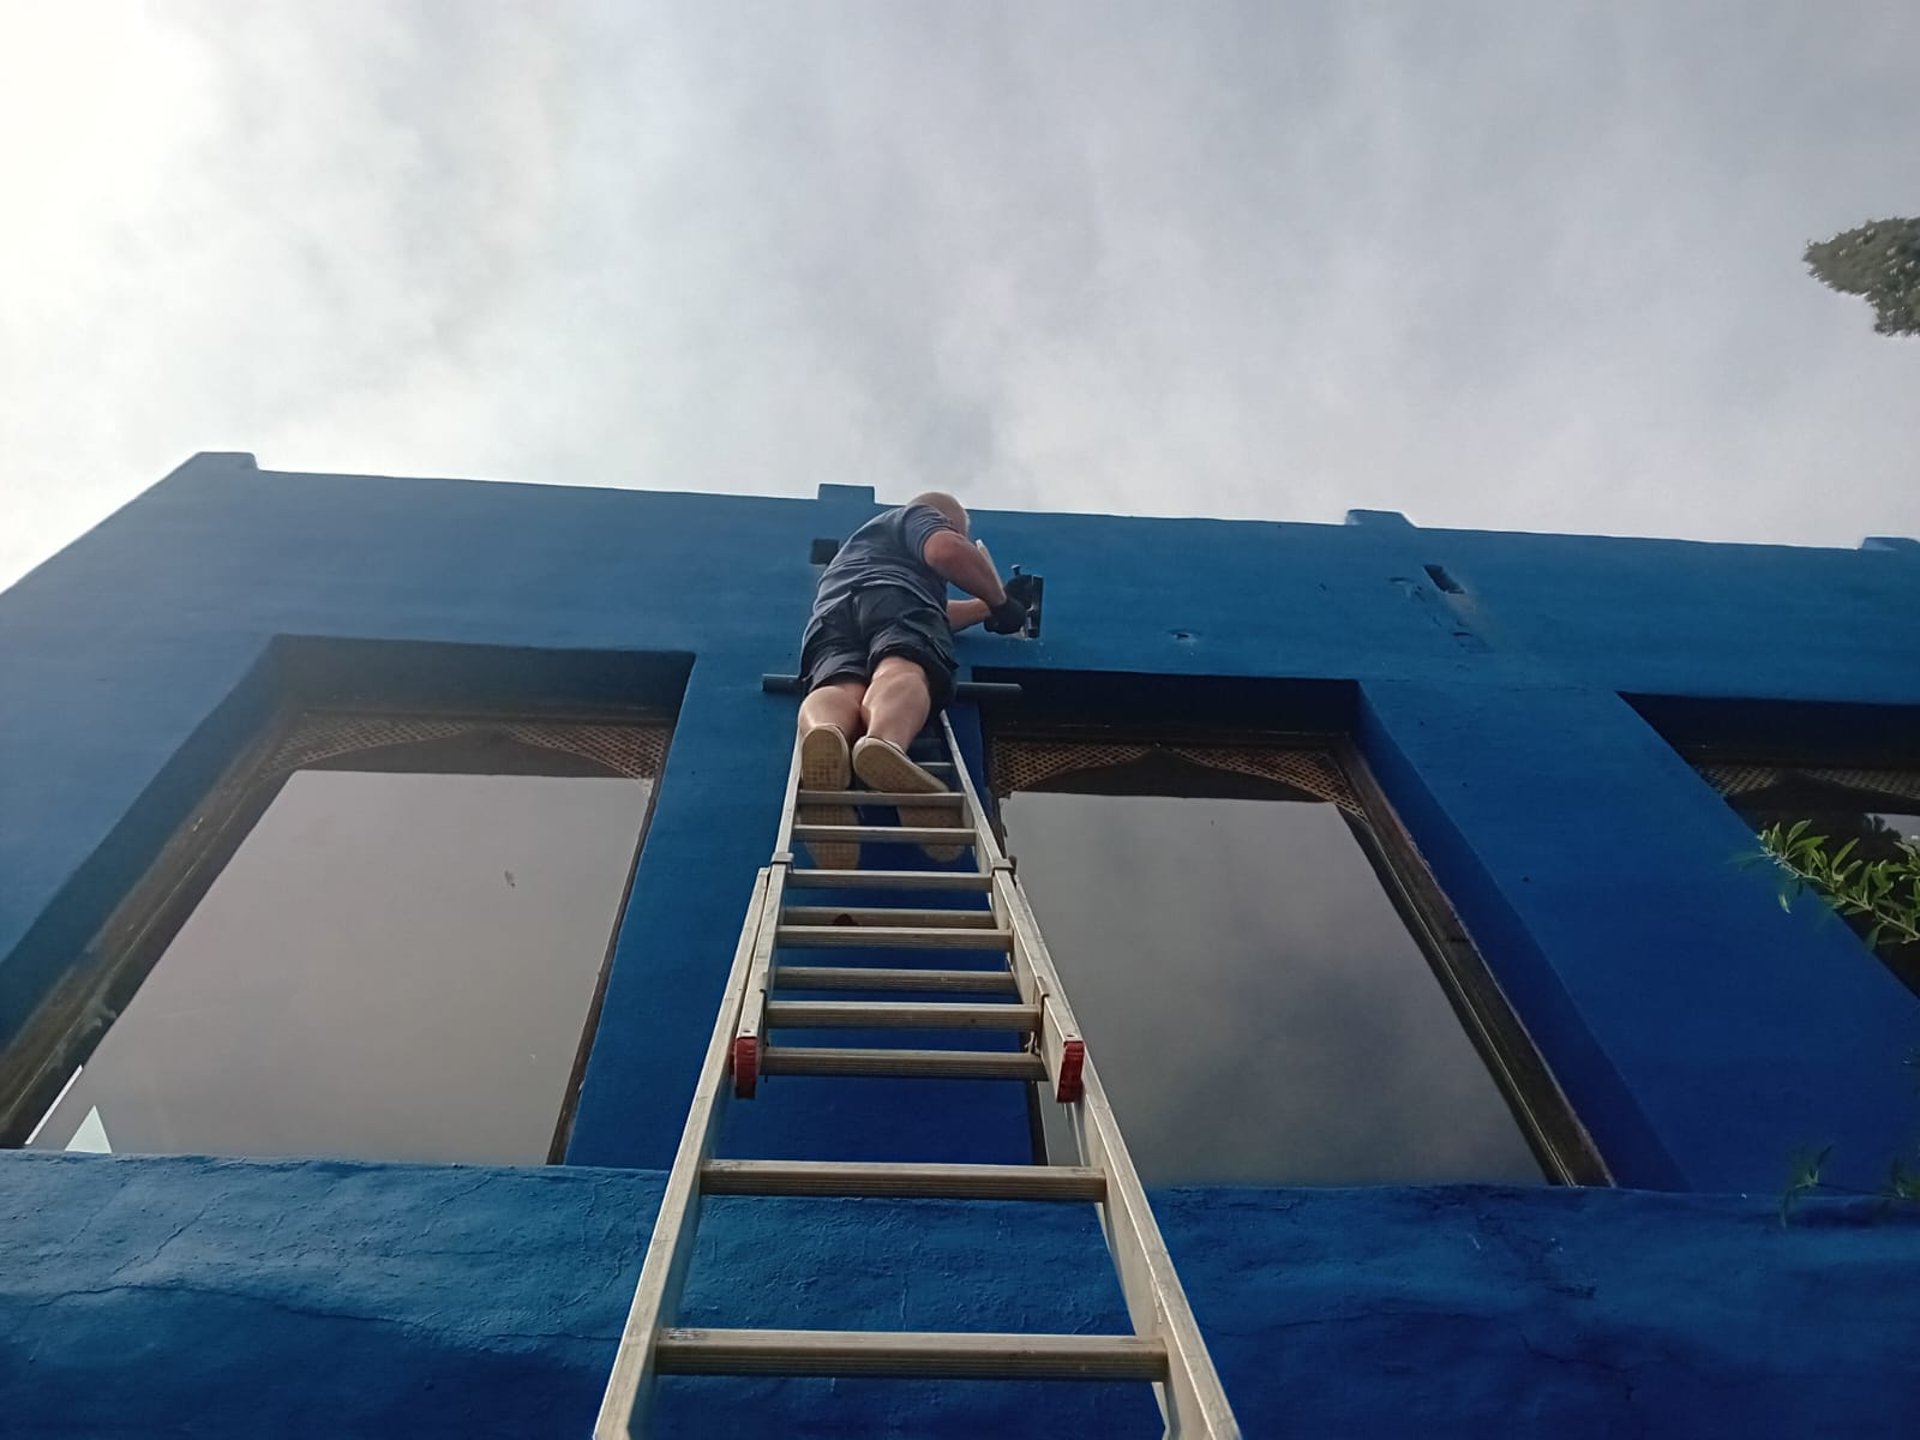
1165 1348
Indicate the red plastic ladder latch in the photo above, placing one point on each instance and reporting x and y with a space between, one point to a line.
1073 1059
746 1065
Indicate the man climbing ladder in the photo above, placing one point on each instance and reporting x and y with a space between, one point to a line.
877 662
877 657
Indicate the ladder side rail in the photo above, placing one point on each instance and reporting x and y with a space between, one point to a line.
656 1297
783 837
749 1041
1058 1039
992 865
750 1037
992 862
986 849
1192 1399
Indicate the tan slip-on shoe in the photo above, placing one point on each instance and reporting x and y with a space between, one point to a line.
885 766
825 765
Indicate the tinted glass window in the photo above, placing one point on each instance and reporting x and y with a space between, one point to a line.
391 966
1258 1010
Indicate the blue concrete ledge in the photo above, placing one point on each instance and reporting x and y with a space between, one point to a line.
230 1298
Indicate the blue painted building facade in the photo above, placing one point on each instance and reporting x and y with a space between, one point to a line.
1516 696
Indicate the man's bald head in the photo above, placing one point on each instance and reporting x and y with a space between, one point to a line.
955 512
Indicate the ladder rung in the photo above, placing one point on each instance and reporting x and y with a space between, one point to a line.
890 937
888 880
915 1181
883 915
902 1064
874 977
881 834
899 1015
936 800
952 1356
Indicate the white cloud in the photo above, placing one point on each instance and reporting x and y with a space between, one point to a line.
1492 266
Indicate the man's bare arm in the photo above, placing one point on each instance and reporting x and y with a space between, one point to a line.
962 613
956 561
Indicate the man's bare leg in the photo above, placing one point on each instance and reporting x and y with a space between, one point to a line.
829 720
896 706
837 703
897 701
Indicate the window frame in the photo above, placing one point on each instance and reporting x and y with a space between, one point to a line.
1545 1117
81 1006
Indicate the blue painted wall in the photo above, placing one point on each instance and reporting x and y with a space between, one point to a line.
1701 1033
231 1300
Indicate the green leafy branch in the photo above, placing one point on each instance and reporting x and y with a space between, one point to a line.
1903 1182
1886 893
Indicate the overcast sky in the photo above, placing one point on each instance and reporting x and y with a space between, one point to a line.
1498 265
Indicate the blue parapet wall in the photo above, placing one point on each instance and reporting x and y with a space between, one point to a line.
231 1299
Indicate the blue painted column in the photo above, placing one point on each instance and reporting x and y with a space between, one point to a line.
1703 1035
713 826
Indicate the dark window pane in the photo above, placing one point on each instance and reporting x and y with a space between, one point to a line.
1257 1009
392 966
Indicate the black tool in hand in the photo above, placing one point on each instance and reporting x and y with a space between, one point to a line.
1027 589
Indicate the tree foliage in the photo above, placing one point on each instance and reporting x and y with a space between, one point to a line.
1880 260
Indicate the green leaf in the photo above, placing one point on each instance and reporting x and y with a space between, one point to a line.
1902 1183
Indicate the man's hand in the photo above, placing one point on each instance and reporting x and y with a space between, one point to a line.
1009 617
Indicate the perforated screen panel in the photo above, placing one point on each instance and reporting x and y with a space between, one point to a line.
1733 780
1020 764
634 751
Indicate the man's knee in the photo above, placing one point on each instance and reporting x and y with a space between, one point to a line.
900 670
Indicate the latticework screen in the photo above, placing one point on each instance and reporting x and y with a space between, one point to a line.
635 751
1735 780
1020 764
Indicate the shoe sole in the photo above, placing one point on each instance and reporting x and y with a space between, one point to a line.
826 765
884 768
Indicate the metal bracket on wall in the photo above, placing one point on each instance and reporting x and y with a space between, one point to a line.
965 690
